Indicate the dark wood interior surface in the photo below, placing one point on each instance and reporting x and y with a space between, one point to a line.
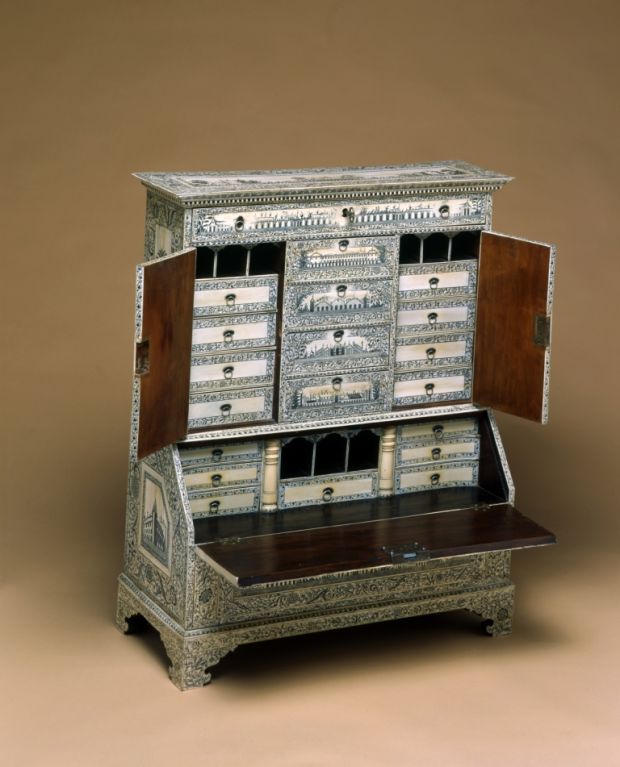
512 289
168 302
252 524
339 548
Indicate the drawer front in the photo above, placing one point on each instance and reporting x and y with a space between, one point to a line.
239 295
449 279
444 450
225 502
432 386
370 256
434 351
336 350
223 408
228 333
336 396
432 316
337 303
214 477
225 371
462 474
462 428
327 489
214 455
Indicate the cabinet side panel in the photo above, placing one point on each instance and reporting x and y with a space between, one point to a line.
167 337
509 363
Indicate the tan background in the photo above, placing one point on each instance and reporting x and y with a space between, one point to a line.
93 91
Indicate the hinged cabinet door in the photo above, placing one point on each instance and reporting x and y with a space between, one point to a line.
163 349
513 326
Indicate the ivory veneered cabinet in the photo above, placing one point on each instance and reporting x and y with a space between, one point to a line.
318 354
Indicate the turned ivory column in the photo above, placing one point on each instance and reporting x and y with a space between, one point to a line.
269 496
386 461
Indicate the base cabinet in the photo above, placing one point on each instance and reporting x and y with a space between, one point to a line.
312 444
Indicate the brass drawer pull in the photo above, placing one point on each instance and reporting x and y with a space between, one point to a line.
435 453
429 388
349 214
228 371
216 480
431 352
438 431
328 493
338 336
225 410
214 506
432 318
341 290
435 479
217 454
228 336
230 299
239 223
343 245
337 384
434 283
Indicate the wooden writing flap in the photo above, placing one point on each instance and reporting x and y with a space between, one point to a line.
163 352
511 357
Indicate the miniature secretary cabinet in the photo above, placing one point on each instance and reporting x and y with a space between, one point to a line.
312 445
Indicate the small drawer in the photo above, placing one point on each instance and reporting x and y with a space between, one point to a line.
432 386
335 396
433 351
225 371
449 279
225 502
336 350
239 295
339 302
375 256
328 488
454 449
462 428
223 408
215 455
433 316
213 477
227 333
436 477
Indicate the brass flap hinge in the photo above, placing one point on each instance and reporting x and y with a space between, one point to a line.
408 552
542 330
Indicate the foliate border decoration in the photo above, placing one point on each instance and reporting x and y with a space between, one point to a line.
464 360
325 479
433 443
412 270
440 466
207 284
245 343
162 211
224 384
226 397
432 375
469 324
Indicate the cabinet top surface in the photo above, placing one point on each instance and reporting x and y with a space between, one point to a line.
193 187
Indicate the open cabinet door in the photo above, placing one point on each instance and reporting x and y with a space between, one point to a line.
163 349
513 326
